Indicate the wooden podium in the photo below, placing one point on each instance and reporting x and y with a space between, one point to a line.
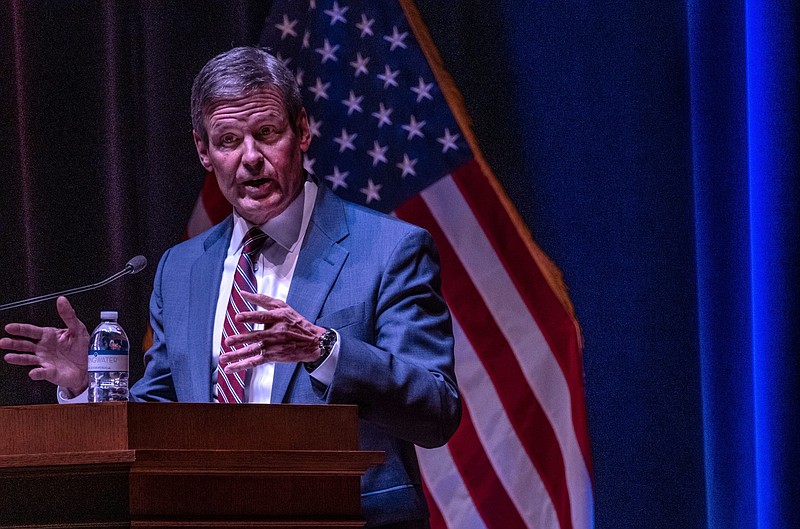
180 465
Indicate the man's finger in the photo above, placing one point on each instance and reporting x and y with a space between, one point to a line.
13 344
252 350
267 317
25 330
266 338
244 364
246 337
40 373
68 315
21 360
260 299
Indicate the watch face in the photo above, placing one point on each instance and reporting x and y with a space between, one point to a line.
328 339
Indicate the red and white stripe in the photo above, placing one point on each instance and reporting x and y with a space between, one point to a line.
521 456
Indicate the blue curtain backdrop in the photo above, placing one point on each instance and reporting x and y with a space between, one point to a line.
652 147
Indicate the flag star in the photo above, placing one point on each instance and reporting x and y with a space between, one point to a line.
320 89
388 77
382 115
423 90
308 164
353 103
328 52
337 13
298 76
313 126
312 4
378 153
372 191
283 61
360 64
287 27
396 39
306 39
338 179
448 140
345 141
414 128
365 25
407 166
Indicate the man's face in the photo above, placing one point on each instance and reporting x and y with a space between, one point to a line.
255 153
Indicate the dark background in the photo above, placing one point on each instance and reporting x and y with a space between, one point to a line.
651 147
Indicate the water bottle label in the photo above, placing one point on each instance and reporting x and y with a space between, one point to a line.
107 360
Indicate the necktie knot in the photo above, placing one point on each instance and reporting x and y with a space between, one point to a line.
254 241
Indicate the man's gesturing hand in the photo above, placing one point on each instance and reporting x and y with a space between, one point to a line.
61 355
287 336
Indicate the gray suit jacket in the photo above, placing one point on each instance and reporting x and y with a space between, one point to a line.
375 280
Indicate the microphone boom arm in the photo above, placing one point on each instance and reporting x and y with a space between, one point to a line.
134 265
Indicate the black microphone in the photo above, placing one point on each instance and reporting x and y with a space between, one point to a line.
134 266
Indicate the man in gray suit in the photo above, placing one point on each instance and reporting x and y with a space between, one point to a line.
298 297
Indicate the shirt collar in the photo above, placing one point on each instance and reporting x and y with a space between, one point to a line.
284 229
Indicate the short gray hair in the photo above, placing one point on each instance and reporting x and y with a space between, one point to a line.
236 73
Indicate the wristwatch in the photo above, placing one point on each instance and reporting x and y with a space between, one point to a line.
326 343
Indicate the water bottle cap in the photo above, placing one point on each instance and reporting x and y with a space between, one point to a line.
108 315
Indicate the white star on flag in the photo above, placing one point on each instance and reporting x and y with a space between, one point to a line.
338 178
388 77
407 166
396 39
319 89
345 141
414 128
328 52
448 140
360 64
283 61
306 39
313 126
378 153
372 191
337 13
365 25
287 27
382 115
353 103
423 90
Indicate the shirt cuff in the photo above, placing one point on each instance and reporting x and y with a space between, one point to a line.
64 398
324 372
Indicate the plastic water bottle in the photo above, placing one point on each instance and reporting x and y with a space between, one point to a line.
108 361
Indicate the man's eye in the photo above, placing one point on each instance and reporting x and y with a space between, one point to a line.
228 139
266 131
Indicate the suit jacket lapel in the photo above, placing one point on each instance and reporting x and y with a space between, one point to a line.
204 283
318 265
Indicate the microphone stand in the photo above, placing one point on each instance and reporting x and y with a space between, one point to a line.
132 267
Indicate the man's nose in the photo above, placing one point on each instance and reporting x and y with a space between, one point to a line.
252 157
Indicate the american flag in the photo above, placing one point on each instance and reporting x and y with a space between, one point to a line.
389 132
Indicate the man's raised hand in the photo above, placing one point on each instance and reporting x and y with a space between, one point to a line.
60 356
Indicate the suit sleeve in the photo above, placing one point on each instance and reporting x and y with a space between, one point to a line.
156 385
404 381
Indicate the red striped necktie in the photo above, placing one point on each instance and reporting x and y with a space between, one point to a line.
230 388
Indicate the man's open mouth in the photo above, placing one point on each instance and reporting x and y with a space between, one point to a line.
256 183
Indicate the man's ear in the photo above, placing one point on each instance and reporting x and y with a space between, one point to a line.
202 150
303 130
